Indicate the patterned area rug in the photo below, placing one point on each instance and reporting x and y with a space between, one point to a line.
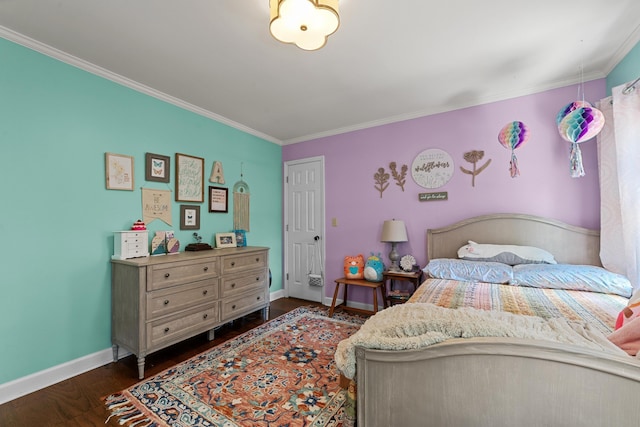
279 374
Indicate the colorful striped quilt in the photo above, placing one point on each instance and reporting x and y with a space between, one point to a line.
597 309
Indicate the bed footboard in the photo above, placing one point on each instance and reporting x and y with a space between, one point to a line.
496 382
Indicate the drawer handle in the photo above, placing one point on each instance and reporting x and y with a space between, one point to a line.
233 263
257 279
166 275
258 298
166 302
205 292
233 307
166 330
205 316
206 269
257 259
233 285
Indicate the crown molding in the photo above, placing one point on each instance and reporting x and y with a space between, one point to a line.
67 58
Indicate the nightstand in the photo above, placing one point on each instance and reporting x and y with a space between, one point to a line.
397 296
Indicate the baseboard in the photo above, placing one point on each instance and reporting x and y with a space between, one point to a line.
369 307
39 380
276 295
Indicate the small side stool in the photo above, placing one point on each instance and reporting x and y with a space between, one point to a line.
374 286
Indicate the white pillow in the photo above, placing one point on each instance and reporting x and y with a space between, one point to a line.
506 254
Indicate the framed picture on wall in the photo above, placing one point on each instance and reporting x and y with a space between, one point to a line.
189 217
119 171
157 167
218 199
189 178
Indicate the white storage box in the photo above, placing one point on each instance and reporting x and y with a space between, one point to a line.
130 244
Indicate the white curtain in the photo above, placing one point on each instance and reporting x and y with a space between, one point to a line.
619 169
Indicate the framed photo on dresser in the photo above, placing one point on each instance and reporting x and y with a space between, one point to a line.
225 240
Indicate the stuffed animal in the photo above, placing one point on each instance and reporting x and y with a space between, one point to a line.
506 254
628 314
373 268
627 333
354 266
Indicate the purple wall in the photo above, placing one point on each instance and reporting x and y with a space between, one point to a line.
544 186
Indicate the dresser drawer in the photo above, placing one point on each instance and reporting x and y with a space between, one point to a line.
241 283
243 304
168 330
167 301
165 275
235 263
136 249
135 237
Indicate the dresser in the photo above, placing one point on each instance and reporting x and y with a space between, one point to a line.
157 301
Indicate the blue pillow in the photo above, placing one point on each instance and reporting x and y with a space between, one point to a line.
470 271
571 277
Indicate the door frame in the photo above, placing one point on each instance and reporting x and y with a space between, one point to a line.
285 218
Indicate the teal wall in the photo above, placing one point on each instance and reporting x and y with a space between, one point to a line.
626 71
57 218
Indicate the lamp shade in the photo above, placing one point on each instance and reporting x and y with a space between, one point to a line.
394 230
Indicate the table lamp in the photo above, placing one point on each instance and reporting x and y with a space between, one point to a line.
394 231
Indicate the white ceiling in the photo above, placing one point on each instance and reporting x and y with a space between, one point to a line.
389 60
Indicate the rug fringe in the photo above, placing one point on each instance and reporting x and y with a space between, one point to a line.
126 413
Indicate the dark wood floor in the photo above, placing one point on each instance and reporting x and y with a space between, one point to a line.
78 400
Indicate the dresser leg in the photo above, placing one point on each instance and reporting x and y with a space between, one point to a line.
114 348
265 313
211 334
140 368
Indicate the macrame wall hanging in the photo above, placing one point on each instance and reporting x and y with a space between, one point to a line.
241 204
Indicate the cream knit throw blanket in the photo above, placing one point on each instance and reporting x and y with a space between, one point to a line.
417 325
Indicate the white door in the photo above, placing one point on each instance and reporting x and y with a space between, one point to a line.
304 227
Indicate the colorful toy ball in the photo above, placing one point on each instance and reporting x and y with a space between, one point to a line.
514 135
578 122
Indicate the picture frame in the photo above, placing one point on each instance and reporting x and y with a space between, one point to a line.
218 199
189 178
119 171
241 238
225 240
157 167
189 217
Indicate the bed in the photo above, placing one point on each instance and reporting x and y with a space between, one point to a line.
504 380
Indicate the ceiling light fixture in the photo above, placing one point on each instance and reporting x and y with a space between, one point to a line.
305 23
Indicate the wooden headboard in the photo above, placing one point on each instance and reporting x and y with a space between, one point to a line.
569 244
